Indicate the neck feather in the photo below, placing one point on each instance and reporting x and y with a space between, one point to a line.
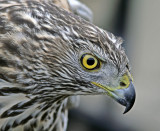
20 111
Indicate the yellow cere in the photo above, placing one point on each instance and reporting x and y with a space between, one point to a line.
125 79
86 65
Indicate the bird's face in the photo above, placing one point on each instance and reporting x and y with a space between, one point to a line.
63 54
91 71
105 78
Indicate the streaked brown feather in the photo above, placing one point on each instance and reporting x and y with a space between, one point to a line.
39 42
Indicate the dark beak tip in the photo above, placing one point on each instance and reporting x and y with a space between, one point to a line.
129 105
128 108
130 99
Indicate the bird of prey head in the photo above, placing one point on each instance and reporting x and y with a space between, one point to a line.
48 54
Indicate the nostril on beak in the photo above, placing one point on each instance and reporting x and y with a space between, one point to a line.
122 84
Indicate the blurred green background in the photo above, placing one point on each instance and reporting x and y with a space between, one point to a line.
138 22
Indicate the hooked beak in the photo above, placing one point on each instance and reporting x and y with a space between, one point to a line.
124 96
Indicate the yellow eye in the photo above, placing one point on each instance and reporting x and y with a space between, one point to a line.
90 62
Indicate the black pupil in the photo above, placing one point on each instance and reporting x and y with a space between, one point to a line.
90 61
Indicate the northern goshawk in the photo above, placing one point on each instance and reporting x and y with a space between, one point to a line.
48 54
